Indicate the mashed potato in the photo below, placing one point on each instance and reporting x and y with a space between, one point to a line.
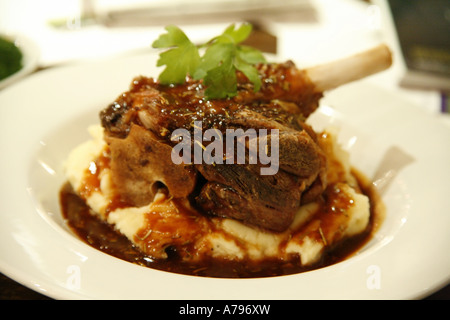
172 222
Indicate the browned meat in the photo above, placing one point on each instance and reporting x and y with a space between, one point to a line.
286 95
282 82
141 162
240 192
140 122
298 152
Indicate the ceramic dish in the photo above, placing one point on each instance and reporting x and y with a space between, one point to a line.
403 150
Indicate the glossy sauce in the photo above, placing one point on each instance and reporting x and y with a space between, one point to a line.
103 237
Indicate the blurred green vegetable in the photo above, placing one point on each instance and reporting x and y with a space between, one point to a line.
10 58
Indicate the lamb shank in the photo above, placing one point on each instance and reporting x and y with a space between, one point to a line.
139 125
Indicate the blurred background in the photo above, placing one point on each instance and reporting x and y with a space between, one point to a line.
55 33
306 31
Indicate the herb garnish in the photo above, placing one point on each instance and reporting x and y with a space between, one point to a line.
217 67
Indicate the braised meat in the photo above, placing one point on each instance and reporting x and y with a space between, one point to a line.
139 127
141 162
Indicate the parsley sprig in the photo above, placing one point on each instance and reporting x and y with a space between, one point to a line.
222 56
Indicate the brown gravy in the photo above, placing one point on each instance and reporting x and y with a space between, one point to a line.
103 237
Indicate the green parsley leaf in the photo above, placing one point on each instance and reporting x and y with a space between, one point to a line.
224 55
250 55
250 72
213 57
235 36
221 81
180 60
